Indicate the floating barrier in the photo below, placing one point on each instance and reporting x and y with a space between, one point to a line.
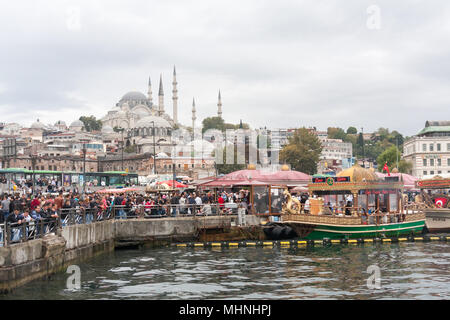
302 243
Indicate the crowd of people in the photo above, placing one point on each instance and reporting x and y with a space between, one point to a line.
17 209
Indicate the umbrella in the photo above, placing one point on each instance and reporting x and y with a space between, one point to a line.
170 183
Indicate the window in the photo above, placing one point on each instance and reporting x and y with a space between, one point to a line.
448 162
439 162
424 147
432 162
424 162
438 147
431 147
439 172
431 172
448 146
424 173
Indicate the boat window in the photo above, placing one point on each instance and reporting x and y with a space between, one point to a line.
393 202
382 204
362 202
276 200
371 202
261 199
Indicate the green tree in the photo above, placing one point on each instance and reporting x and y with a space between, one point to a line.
389 156
303 151
213 123
219 124
352 130
91 123
405 166
336 133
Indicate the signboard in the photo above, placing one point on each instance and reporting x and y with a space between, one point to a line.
330 180
378 192
444 183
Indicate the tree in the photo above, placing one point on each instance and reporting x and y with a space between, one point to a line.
405 166
336 133
213 123
389 156
91 123
352 130
219 124
303 151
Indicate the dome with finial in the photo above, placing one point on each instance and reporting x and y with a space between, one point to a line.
358 174
37 125
395 170
285 167
251 166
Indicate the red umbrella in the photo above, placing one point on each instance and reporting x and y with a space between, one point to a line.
170 184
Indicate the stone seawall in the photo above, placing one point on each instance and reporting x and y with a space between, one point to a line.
23 262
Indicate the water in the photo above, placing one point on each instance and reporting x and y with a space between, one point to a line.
408 271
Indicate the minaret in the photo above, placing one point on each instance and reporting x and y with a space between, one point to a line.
161 96
150 98
193 115
219 106
175 97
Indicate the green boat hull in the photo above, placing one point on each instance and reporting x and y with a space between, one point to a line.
319 232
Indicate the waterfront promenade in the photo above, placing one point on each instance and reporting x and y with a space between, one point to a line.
48 247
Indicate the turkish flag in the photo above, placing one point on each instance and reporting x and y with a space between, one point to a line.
386 168
440 202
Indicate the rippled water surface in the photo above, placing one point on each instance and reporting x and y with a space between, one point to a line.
408 271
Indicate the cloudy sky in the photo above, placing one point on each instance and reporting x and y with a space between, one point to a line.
277 63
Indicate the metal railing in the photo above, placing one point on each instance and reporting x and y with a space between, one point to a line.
11 233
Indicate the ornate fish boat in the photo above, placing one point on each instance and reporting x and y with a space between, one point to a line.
436 200
355 204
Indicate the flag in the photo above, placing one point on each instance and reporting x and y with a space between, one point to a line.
440 202
386 168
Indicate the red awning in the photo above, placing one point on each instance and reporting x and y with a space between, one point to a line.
170 184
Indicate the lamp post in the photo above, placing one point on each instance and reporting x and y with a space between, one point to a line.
84 141
362 133
122 144
33 166
154 148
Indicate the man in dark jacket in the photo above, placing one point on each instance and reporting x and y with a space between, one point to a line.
15 221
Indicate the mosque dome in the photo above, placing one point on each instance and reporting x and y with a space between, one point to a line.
358 174
285 167
395 170
77 125
147 122
133 95
140 112
37 125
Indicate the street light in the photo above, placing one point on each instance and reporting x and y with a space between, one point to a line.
84 141
121 130
33 166
362 133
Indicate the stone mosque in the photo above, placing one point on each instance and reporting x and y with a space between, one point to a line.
144 122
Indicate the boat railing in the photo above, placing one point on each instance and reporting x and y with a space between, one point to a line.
358 215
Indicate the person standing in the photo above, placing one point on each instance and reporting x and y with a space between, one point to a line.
5 208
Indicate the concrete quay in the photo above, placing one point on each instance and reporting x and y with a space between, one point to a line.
27 261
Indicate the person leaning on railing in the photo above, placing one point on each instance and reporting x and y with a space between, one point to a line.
14 220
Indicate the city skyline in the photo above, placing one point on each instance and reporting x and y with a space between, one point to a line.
295 63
